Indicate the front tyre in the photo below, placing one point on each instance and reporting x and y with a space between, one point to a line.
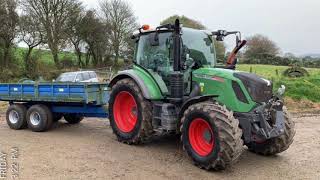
211 135
276 145
130 113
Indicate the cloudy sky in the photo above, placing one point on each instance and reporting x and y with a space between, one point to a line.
293 24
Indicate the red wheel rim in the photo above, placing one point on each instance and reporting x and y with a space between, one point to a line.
201 137
125 112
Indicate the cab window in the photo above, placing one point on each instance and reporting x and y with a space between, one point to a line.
200 47
154 57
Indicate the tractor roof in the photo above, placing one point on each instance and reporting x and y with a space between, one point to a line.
142 32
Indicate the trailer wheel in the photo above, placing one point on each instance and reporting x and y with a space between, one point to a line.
130 113
16 116
276 145
211 136
73 119
39 118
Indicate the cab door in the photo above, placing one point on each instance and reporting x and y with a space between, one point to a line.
156 59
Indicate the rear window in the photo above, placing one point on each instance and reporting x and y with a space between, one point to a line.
86 76
92 75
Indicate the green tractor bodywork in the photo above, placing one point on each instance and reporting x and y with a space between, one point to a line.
216 81
213 81
175 86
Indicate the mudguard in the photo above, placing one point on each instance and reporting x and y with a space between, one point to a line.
146 83
194 100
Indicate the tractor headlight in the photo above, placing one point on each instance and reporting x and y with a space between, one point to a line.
281 90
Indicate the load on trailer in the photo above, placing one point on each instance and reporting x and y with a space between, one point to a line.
174 86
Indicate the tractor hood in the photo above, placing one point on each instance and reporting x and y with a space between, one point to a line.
215 72
259 89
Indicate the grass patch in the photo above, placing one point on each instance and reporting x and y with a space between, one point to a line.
306 88
44 55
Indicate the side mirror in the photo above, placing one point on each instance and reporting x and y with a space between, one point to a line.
154 39
189 62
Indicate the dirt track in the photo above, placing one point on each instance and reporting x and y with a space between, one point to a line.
90 151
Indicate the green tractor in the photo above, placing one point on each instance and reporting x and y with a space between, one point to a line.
175 87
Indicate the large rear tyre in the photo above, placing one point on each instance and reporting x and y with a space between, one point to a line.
73 118
130 113
276 145
16 117
211 136
39 118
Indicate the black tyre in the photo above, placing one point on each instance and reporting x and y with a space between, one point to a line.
276 145
39 118
211 136
16 116
73 118
130 113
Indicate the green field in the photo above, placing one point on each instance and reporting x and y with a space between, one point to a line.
44 56
307 88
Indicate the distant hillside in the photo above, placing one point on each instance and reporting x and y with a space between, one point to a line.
313 55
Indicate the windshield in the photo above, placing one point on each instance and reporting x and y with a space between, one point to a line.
66 77
200 46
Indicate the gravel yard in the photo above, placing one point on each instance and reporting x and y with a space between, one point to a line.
90 151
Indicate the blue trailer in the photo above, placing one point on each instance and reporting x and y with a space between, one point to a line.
38 105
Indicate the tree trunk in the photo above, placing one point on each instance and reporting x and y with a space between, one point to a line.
116 58
6 54
116 50
56 58
95 59
79 55
54 51
27 60
88 56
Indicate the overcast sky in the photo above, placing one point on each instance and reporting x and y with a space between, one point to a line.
293 24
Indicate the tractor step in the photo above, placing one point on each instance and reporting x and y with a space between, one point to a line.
165 116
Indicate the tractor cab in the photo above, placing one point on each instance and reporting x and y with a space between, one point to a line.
155 53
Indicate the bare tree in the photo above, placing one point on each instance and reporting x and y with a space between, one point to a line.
52 15
95 34
259 46
73 31
8 27
31 34
120 18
